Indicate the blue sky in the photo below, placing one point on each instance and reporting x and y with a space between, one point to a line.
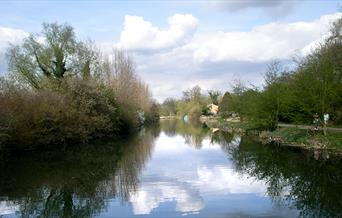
177 44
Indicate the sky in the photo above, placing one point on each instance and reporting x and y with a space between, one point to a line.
177 44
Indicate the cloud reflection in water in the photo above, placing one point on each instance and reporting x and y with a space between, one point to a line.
197 172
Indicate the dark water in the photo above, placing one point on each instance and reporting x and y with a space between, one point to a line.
173 170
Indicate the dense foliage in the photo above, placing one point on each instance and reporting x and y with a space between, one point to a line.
61 90
294 96
225 105
193 104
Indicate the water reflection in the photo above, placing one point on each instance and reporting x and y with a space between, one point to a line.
293 178
173 170
76 183
185 179
193 133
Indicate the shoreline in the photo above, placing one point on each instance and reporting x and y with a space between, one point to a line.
291 137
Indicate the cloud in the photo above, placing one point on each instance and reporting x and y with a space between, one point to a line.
139 34
275 40
152 194
273 7
177 57
207 173
212 59
8 35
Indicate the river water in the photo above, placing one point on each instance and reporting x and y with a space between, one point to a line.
172 170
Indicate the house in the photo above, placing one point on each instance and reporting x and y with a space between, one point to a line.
213 109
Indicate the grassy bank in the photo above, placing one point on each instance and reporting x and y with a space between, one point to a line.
284 136
303 138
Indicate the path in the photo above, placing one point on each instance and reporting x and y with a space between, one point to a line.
332 129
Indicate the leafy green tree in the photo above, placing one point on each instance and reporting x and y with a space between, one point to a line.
53 54
317 82
271 101
225 106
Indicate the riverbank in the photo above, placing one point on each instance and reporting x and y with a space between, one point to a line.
169 117
289 136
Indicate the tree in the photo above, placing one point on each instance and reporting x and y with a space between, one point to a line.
193 94
317 82
238 87
53 54
169 106
272 73
272 94
152 116
130 91
236 102
88 61
214 95
225 105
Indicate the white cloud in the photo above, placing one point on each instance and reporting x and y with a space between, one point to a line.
151 195
212 59
263 43
191 181
141 34
273 7
9 35
218 179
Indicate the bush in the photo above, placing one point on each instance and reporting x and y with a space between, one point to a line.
73 98
152 115
195 113
205 110
79 111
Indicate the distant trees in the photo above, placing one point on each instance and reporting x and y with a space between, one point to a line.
214 96
193 103
192 94
169 107
225 106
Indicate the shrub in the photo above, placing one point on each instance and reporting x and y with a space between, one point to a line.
195 113
152 115
77 112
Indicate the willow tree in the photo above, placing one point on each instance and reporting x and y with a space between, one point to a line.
54 53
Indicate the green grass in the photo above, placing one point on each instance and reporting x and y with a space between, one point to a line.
300 136
293 136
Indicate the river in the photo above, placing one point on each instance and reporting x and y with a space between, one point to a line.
171 170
